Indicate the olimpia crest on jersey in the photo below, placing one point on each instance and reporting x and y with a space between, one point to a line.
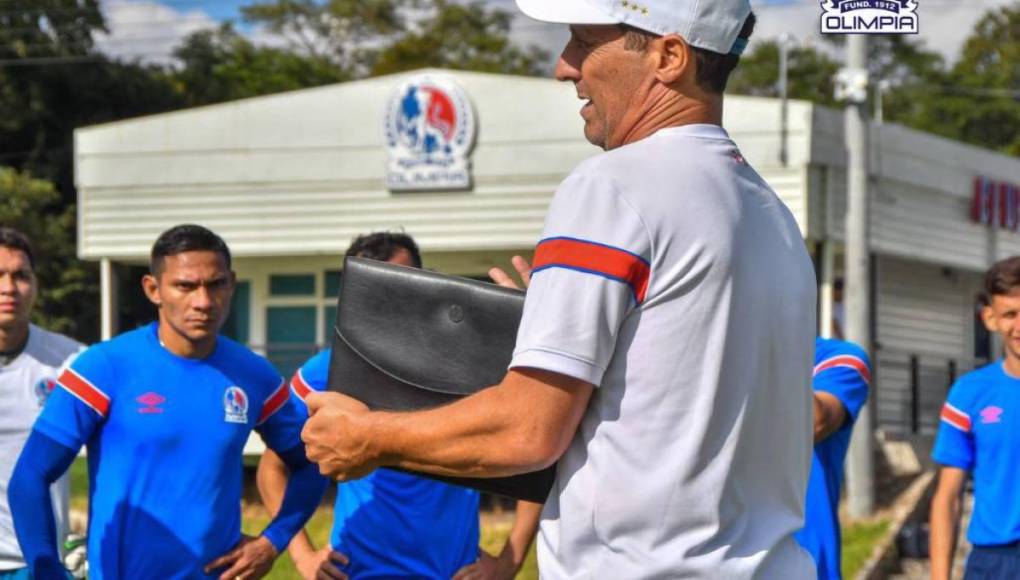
235 405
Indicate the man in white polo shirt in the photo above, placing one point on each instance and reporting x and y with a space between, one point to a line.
30 359
666 345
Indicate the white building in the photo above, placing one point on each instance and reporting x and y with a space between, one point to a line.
288 180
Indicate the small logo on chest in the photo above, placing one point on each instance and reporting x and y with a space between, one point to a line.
235 405
991 414
43 389
150 403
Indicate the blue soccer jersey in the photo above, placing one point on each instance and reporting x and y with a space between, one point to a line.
980 432
393 524
165 436
841 369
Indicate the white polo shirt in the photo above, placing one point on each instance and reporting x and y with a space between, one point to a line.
672 278
24 386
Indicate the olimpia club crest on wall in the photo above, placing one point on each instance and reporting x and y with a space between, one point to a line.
869 17
430 129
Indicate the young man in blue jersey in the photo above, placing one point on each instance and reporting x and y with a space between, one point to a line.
393 524
165 411
979 436
841 378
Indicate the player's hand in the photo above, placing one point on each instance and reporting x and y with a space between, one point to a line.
251 558
488 567
499 276
338 437
322 563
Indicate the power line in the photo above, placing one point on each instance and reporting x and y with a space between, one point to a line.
48 60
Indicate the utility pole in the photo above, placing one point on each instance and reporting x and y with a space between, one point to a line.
852 86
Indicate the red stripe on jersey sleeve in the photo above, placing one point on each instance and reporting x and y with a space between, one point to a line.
955 417
595 258
274 403
846 361
85 392
301 388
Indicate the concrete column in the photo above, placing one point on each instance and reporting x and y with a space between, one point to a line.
828 275
109 323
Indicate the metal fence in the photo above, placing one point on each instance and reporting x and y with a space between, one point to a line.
911 388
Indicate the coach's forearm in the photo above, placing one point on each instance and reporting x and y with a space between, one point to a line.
523 424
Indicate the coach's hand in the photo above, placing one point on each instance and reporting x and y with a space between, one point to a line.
337 436
499 276
251 558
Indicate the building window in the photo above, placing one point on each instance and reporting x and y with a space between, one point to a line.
290 336
292 285
332 286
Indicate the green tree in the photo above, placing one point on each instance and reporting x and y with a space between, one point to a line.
52 81
460 36
979 100
67 286
221 65
346 33
373 37
48 28
810 73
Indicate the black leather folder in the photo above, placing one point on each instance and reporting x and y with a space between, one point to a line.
408 339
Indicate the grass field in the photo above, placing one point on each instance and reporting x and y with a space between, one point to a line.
859 539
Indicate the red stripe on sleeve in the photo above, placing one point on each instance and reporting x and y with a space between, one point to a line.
597 259
85 391
274 403
955 417
301 388
846 361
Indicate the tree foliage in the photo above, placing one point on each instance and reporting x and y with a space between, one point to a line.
221 65
460 36
980 103
67 286
976 100
809 74
346 33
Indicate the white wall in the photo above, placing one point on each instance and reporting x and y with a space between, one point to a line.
300 173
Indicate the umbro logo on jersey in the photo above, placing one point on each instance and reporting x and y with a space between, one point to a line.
235 405
150 403
991 414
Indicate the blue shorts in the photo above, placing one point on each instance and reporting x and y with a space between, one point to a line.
993 563
16 574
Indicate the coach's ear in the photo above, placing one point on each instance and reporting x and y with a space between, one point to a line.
150 285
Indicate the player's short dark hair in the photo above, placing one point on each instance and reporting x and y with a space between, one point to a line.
712 69
13 239
383 245
1001 279
185 238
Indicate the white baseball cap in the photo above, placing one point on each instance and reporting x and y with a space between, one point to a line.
709 24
